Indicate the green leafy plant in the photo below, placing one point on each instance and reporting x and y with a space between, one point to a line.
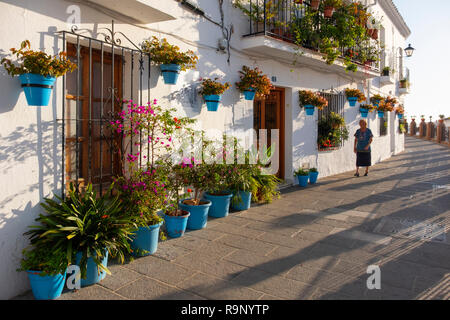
355 93
404 84
307 97
313 170
37 62
255 10
162 52
332 131
254 79
48 261
86 223
211 87
301 172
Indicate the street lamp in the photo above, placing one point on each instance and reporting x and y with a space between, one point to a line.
409 51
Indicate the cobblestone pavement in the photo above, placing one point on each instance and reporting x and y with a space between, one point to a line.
313 243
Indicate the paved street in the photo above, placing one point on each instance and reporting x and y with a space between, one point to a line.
313 243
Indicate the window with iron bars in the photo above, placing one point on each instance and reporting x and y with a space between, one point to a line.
326 140
383 127
106 73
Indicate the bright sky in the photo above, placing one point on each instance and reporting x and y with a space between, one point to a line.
429 22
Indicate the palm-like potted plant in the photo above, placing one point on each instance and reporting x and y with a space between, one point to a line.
354 95
170 58
212 91
37 72
310 100
302 176
88 228
46 268
253 82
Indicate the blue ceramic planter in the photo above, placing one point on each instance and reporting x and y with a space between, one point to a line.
46 287
249 94
212 102
199 214
92 273
376 103
303 180
170 73
364 112
220 205
313 177
37 88
352 101
243 202
309 110
381 114
176 225
145 240
400 116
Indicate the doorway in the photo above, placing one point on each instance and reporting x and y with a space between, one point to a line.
269 114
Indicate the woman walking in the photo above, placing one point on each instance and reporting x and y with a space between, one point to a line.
363 140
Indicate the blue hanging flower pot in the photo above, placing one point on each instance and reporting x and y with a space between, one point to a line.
37 88
352 101
249 94
381 114
364 112
400 115
170 73
309 108
212 101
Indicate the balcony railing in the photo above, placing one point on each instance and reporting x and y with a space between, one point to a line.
278 18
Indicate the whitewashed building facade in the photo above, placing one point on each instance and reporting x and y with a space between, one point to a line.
33 164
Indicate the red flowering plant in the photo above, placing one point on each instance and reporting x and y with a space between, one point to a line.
254 79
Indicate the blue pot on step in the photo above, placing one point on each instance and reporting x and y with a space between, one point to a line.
176 225
220 204
309 108
37 88
170 73
249 94
352 101
212 101
313 177
145 240
381 114
364 112
242 201
46 287
198 214
92 272
303 181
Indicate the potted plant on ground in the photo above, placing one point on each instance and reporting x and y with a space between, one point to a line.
376 100
86 226
37 72
302 176
330 6
243 186
354 95
219 192
212 91
170 58
313 175
46 268
310 100
253 82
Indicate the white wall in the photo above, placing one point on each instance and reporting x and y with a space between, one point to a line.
30 137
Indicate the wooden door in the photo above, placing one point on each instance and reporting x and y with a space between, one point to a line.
269 114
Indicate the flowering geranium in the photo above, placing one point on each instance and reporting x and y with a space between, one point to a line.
387 104
211 87
376 99
162 52
254 79
355 93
